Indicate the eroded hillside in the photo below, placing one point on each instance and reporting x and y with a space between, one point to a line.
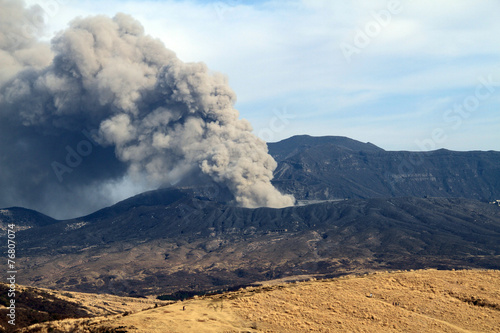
149 245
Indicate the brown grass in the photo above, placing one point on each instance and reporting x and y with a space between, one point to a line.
416 301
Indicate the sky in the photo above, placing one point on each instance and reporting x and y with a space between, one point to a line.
404 75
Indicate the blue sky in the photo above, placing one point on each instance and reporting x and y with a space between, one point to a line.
404 75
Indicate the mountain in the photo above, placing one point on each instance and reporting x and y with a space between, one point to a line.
189 239
321 168
23 219
168 240
295 144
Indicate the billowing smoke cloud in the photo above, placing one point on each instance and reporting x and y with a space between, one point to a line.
19 47
113 108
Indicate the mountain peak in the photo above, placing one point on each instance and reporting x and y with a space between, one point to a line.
283 149
23 218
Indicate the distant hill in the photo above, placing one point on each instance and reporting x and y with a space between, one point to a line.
283 149
23 219
338 167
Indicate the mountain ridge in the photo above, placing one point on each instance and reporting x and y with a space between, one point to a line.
335 171
23 218
287 146
337 167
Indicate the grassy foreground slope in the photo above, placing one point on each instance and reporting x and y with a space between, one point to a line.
40 305
416 301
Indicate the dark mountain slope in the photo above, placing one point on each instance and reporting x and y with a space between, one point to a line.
23 219
161 248
331 169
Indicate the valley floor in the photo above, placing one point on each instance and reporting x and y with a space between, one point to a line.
412 301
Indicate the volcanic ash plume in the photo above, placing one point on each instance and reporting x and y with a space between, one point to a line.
144 113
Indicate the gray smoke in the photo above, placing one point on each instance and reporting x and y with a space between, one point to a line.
19 48
112 108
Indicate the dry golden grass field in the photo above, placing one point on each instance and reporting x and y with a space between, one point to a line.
413 301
